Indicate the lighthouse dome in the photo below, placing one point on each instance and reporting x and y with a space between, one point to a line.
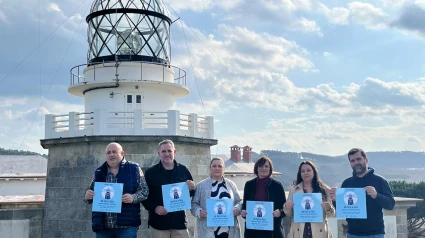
129 30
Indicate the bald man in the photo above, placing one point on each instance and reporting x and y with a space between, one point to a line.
117 169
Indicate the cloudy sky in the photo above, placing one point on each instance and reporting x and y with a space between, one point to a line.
292 75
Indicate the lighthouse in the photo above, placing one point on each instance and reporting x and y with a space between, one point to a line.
129 86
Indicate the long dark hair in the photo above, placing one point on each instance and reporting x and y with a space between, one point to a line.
316 183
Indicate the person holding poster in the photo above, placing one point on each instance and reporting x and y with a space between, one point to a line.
161 222
308 181
217 187
117 169
265 188
378 196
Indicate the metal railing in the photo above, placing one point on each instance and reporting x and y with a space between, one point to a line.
76 76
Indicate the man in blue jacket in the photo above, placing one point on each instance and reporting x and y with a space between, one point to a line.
378 196
117 169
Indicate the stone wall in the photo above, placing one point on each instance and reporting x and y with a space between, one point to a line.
21 221
71 165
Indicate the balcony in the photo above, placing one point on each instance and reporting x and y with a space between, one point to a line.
137 122
145 74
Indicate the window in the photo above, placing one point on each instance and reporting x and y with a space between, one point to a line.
138 98
129 98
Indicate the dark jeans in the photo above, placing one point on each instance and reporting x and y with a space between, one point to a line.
371 236
130 232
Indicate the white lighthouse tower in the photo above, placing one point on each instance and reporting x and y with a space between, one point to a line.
128 85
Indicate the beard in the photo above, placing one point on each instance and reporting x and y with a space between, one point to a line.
359 169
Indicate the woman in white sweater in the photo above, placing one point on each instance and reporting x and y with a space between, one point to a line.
215 187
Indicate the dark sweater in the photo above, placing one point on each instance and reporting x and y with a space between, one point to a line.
374 224
156 176
275 194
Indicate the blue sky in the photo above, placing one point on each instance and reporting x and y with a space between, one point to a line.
292 75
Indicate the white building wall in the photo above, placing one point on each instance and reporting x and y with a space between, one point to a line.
22 187
152 99
14 228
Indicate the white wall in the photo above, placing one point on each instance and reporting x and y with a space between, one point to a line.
152 99
22 187
389 221
14 228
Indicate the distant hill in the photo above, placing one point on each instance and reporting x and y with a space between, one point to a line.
400 165
18 152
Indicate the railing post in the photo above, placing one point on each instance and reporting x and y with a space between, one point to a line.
173 122
48 127
100 122
210 126
71 124
193 125
137 123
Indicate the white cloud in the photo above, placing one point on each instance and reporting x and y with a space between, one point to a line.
305 25
394 3
22 117
359 13
318 137
278 12
54 7
336 15
194 5
3 18
420 3
368 15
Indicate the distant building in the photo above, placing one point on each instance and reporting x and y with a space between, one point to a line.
22 175
239 166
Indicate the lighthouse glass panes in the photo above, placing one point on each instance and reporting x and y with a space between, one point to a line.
136 30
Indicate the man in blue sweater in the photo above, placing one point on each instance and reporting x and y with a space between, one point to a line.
378 196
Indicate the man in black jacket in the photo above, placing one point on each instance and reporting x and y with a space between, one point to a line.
167 171
378 196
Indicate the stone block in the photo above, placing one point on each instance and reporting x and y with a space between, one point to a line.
66 225
88 235
6 214
52 234
63 192
72 182
51 214
86 161
71 213
35 232
50 224
82 213
52 204
55 172
401 220
54 182
27 214
401 228
79 225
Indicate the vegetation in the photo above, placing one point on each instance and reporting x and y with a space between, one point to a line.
18 152
415 215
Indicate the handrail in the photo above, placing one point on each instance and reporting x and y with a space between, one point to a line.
76 123
76 78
